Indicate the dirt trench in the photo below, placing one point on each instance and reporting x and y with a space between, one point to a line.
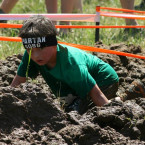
31 115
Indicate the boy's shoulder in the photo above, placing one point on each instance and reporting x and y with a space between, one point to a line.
72 55
70 49
66 47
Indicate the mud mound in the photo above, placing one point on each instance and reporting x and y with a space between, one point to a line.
30 114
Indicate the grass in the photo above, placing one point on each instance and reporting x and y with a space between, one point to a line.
78 36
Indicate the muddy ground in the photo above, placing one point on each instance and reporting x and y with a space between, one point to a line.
29 114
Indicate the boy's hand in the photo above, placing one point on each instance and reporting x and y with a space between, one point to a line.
17 81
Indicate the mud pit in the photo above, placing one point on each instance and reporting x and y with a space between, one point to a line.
28 114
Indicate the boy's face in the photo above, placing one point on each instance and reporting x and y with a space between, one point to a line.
43 56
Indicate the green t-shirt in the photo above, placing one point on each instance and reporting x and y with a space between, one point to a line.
76 72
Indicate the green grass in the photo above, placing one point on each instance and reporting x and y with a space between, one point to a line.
78 36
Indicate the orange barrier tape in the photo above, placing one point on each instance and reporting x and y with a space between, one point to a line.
95 49
15 39
123 10
83 47
4 25
122 15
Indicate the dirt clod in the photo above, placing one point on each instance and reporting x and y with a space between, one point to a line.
30 114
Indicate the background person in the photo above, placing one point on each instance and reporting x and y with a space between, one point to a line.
67 6
129 4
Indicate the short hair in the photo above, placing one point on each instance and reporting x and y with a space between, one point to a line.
37 26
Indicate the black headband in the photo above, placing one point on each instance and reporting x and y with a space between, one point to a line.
39 42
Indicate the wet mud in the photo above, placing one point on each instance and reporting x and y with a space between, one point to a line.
31 115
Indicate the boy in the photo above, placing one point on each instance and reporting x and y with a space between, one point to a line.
73 75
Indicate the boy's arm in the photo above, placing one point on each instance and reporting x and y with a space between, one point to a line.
17 81
97 96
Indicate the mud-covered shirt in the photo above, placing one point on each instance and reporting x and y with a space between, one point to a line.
76 72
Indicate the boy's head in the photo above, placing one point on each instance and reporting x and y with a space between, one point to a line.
38 32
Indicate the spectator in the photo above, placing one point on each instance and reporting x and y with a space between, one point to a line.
129 4
67 6
78 6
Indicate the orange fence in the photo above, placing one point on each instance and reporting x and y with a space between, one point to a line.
84 47
5 25
123 10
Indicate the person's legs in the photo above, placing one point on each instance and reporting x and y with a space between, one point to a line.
66 7
128 4
7 5
51 6
78 6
